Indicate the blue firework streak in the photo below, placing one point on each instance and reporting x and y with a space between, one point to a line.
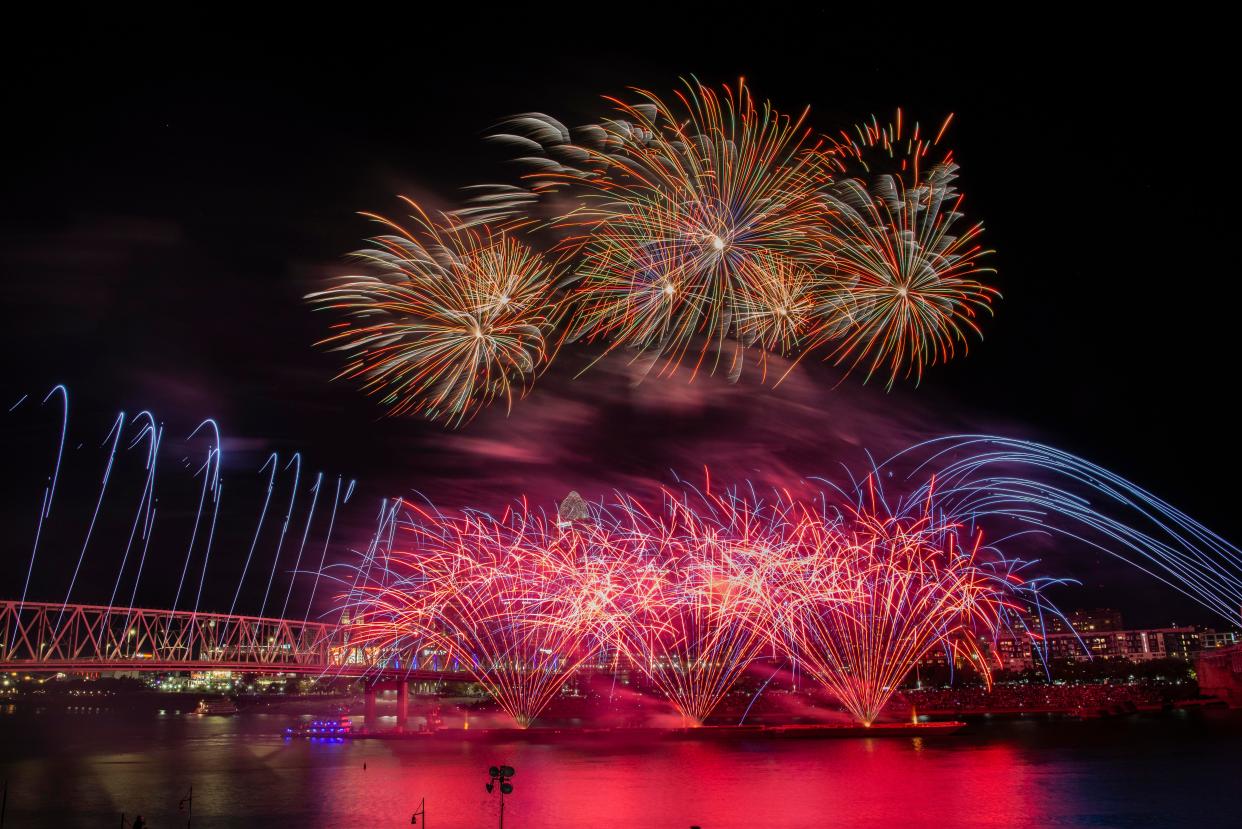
1038 486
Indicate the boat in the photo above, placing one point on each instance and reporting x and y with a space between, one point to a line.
331 728
222 707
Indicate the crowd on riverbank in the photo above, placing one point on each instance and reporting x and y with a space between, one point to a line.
1078 696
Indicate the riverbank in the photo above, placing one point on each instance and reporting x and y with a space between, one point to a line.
536 734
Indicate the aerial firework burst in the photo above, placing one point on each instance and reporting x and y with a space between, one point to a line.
899 148
694 229
783 307
682 216
911 292
450 319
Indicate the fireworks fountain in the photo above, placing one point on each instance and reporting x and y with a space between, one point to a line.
866 591
693 614
514 601
692 595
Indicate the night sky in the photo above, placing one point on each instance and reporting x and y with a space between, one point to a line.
168 203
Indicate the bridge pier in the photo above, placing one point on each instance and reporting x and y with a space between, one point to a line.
371 693
370 719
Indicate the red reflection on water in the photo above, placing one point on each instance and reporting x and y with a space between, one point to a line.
69 771
852 782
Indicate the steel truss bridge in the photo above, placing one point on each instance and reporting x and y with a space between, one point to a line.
42 637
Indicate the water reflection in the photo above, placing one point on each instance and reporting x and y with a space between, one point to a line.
85 768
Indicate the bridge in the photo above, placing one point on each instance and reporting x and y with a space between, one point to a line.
47 637
41 637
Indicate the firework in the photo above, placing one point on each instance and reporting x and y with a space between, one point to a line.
851 589
898 148
451 319
863 596
1027 486
691 595
699 226
692 223
693 622
513 601
907 292
122 515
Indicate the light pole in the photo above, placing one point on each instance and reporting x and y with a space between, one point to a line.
501 775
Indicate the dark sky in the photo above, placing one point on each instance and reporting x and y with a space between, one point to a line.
169 200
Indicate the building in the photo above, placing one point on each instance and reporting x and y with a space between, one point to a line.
1210 639
1092 635
1098 634
1014 652
1085 622
1129 645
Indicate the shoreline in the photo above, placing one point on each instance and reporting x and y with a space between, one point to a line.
649 734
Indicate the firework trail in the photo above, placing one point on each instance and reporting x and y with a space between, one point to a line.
1029 484
316 488
327 541
273 461
117 430
49 491
450 320
132 538
144 514
210 470
296 463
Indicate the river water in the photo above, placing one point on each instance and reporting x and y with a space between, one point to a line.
84 768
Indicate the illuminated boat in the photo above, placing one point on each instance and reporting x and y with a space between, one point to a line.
223 706
334 728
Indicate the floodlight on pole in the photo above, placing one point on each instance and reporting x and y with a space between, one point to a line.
499 775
